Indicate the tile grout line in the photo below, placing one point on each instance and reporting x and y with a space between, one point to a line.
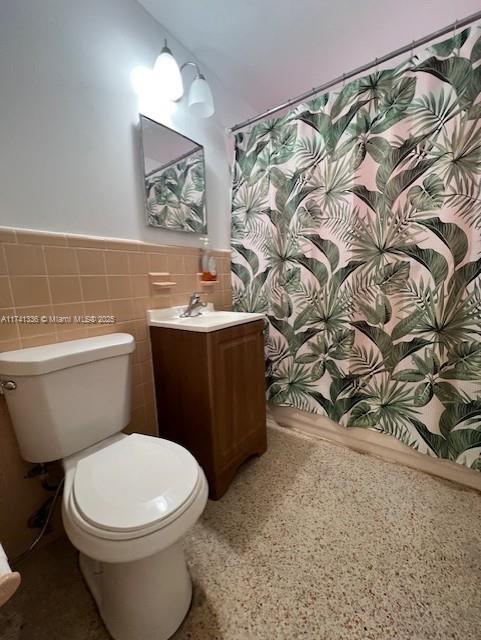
49 289
10 289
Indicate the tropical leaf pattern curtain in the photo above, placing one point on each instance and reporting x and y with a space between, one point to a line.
356 228
175 195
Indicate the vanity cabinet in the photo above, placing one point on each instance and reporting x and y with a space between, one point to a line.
210 390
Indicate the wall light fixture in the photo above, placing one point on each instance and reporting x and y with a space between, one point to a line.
168 75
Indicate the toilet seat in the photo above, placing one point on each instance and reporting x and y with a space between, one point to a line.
133 487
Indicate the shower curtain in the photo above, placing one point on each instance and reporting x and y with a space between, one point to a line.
356 225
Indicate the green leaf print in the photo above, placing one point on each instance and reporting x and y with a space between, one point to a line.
356 223
447 47
428 196
423 394
456 71
393 276
434 262
453 236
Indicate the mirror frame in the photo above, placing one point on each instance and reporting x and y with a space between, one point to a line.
144 176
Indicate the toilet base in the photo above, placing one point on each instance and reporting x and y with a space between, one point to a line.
145 599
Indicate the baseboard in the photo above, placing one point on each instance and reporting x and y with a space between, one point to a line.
374 443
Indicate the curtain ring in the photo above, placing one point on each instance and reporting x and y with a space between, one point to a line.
376 65
455 27
343 80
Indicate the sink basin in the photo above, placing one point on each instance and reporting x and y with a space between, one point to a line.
208 320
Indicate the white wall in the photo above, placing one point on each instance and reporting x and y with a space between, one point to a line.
69 141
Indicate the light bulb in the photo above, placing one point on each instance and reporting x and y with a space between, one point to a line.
167 74
201 102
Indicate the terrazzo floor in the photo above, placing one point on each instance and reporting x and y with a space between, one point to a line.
312 541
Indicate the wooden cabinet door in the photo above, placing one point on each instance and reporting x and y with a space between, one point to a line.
210 390
238 390
182 385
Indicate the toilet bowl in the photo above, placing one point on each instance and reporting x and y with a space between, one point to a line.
128 530
128 500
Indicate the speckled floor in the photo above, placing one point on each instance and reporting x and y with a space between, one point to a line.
312 541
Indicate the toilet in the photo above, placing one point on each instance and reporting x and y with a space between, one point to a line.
128 500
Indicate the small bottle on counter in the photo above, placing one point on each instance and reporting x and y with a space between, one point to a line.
208 265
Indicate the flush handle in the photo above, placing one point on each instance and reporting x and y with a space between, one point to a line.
7 385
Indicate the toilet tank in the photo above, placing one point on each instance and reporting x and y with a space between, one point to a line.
68 395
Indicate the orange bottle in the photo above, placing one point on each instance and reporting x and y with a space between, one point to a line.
207 262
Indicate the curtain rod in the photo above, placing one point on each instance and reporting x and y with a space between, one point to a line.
457 24
174 161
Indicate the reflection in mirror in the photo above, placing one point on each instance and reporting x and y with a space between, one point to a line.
174 178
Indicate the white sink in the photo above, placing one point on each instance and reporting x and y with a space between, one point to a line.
208 320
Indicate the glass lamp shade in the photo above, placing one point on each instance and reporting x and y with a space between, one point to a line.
167 74
201 103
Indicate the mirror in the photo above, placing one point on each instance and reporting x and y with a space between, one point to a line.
174 179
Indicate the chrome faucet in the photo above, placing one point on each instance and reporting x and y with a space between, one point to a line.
194 306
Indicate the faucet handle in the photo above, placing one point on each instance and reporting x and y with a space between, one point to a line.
194 303
196 299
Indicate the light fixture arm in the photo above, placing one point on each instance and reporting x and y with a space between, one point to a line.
196 67
166 49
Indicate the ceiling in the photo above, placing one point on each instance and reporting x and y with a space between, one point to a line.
267 51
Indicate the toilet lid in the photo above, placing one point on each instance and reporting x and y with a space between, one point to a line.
134 482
